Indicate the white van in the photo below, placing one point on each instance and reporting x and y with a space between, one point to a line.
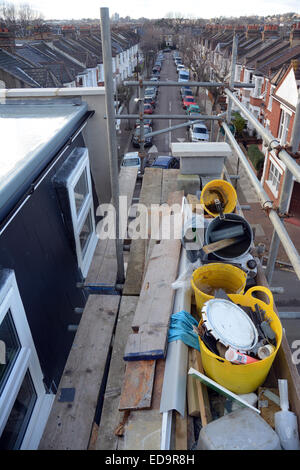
183 75
132 159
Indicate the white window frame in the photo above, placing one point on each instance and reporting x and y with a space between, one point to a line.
26 360
285 119
78 220
272 186
270 103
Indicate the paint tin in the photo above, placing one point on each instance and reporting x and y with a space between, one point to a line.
237 357
265 351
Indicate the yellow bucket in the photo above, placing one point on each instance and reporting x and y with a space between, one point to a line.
206 279
218 189
244 378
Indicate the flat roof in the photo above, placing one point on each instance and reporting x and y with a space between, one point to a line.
31 134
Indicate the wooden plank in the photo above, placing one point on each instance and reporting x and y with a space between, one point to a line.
203 398
150 194
111 416
169 184
138 384
267 412
149 343
135 268
216 246
156 297
194 203
151 187
192 391
70 422
181 432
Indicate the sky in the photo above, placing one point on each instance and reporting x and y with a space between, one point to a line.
72 9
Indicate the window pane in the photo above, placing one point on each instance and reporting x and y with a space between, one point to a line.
10 346
80 191
86 231
19 417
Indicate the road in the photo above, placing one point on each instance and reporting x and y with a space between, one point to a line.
168 102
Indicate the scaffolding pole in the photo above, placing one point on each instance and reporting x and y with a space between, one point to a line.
112 137
286 194
267 137
189 83
284 237
196 117
232 74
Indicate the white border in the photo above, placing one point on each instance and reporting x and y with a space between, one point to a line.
78 219
27 359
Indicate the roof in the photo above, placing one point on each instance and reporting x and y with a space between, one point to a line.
30 137
15 66
281 58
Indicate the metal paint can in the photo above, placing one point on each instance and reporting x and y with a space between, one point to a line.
265 351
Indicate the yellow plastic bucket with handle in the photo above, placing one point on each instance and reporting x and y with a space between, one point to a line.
218 189
206 279
244 378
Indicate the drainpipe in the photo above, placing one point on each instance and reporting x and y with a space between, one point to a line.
112 137
286 193
232 74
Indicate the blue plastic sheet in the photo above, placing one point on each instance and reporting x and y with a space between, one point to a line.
181 327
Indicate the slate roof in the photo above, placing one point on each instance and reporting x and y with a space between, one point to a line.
280 59
43 56
15 66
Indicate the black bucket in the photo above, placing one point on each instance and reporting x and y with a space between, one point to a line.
229 224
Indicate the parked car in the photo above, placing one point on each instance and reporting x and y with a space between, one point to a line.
153 79
187 101
151 91
193 108
166 162
147 122
148 109
136 137
186 91
167 49
132 159
150 100
183 75
179 67
199 132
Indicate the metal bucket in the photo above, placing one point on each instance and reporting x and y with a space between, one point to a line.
230 221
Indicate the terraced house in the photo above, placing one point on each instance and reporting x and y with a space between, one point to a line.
269 57
72 58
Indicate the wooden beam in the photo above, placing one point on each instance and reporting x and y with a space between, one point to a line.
111 417
150 194
203 398
137 387
71 419
192 391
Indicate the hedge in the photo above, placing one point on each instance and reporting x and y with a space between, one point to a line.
256 156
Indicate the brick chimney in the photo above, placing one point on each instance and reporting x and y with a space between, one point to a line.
7 40
239 28
270 31
295 34
68 32
84 31
253 31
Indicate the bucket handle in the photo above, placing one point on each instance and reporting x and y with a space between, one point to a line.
263 289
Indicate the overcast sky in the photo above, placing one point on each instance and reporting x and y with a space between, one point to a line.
67 9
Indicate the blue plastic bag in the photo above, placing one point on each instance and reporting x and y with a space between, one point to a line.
181 327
